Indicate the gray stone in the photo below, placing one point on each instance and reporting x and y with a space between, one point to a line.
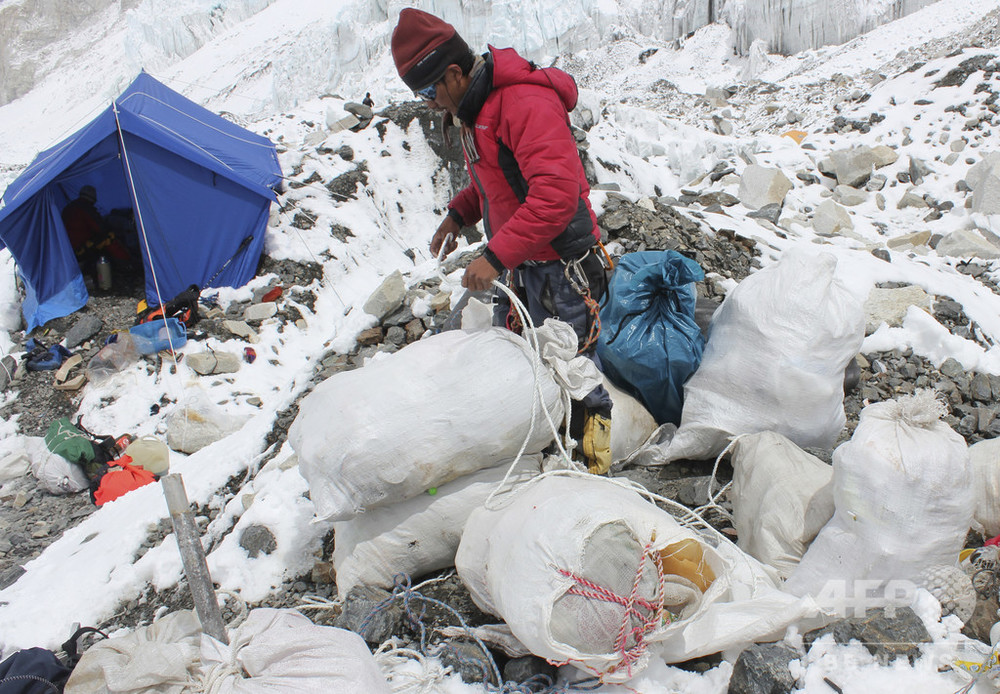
361 112
848 196
763 669
8 371
469 661
9 576
395 335
256 313
967 243
884 156
257 540
882 254
760 185
831 218
852 167
887 633
83 330
951 368
770 212
980 388
984 179
918 169
890 305
520 670
911 199
388 297
718 198
345 152
369 612
211 362
694 491
241 329
876 182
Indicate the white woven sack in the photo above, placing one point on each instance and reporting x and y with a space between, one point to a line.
283 651
440 408
631 422
774 361
55 474
903 498
985 461
162 657
557 561
781 498
418 535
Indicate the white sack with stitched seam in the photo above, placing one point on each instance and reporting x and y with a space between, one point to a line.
903 497
418 535
985 461
560 558
781 498
774 360
283 651
436 410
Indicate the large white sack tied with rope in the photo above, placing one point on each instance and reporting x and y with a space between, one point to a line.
903 500
440 408
418 535
283 651
774 361
781 497
588 572
162 657
984 458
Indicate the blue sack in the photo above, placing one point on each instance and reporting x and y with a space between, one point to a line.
649 343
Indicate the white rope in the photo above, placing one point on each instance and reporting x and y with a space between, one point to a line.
391 655
713 499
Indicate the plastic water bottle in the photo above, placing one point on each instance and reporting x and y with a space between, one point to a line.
103 274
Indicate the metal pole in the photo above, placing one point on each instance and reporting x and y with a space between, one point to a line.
193 557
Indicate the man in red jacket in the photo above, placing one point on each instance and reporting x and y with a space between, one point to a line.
527 186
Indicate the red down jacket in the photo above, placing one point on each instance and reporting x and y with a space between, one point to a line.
528 185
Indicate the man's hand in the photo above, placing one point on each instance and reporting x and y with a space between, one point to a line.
479 275
448 226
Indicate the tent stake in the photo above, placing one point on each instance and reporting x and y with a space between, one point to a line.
193 557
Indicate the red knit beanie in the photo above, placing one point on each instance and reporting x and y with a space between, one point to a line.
423 46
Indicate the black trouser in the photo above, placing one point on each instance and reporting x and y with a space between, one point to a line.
548 293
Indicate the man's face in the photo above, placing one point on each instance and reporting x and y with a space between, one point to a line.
446 93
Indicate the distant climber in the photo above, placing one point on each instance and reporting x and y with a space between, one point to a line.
367 101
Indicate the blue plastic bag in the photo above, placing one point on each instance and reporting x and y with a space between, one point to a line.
649 343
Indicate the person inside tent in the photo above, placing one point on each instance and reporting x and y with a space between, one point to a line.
528 187
89 234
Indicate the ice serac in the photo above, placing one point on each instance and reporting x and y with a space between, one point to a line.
790 26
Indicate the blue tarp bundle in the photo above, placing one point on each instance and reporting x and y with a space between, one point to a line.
199 184
649 343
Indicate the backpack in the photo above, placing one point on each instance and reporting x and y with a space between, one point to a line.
183 307
33 671
80 447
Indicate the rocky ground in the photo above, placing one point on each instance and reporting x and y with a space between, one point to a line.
30 519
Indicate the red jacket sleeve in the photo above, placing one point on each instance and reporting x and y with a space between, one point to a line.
533 125
466 203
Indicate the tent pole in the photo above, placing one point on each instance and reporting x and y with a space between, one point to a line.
142 226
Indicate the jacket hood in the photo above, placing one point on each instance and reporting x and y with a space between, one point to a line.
510 68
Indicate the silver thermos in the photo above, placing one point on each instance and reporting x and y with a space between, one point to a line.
103 273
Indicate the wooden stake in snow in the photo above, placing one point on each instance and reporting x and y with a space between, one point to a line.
193 557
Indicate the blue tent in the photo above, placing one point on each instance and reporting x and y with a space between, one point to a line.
200 187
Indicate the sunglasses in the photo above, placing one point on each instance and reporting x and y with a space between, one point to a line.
429 92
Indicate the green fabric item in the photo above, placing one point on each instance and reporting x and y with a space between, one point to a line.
66 440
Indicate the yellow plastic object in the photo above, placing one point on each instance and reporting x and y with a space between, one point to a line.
141 306
597 443
797 135
687 560
965 553
149 453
